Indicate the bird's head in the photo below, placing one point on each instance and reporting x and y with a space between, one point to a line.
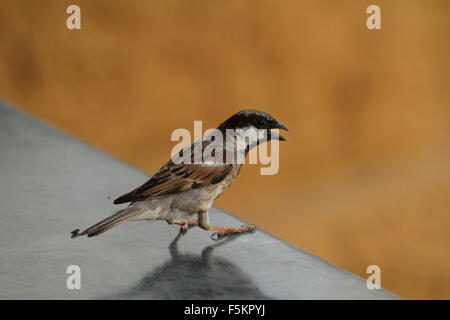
254 119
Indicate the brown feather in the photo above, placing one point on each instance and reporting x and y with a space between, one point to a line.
174 178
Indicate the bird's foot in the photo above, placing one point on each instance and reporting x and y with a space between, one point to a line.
185 224
188 223
225 231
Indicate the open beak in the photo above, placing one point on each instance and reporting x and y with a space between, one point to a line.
274 135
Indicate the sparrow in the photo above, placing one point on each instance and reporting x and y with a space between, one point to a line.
184 188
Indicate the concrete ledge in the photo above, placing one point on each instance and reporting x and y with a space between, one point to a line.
52 183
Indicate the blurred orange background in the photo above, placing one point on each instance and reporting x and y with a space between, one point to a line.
365 173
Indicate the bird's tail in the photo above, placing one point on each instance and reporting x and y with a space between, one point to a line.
106 224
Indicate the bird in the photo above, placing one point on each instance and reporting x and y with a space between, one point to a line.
184 189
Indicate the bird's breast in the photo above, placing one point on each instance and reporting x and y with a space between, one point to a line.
202 199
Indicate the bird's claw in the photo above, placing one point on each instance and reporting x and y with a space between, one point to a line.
186 226
184 229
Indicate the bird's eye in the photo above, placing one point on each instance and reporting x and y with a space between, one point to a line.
261 122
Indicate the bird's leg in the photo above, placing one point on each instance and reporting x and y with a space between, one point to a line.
184 224
204 223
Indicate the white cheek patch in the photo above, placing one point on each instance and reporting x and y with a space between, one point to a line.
249 136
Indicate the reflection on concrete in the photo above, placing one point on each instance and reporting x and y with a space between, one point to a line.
188 276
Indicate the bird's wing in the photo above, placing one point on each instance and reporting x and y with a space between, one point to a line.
174 178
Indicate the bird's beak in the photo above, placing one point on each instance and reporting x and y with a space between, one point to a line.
279 125
275 135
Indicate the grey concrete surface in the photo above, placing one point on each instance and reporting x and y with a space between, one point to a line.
52 183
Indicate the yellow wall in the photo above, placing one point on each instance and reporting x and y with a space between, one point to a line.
364 176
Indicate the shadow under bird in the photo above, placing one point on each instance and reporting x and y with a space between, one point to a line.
193 276
182 189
